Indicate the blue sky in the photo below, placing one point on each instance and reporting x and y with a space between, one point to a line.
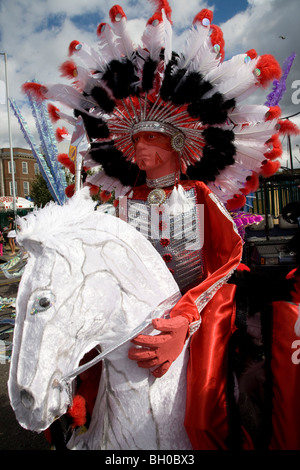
35 34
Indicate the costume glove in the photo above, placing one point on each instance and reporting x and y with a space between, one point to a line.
162 349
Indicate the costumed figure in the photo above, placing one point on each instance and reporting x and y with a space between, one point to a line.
179 149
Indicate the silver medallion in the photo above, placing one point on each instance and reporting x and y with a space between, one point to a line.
156 197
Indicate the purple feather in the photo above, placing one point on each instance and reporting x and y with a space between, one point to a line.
279 86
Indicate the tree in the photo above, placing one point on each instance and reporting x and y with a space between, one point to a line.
39 191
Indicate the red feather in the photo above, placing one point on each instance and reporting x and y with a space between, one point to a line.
68 69
61 133
288 127
268 168
163 4
252 183
63 158
269 69
238 201
276 148
72 47
273 113
105 196
114 11
99 28
53 112
70 190
205 13
93 189
35 90
78 411
216 37
252 53
243 267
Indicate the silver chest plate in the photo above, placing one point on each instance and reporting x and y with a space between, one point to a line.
177 237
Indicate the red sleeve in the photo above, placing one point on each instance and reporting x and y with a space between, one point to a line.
222 251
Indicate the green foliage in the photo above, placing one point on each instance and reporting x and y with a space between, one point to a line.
39 191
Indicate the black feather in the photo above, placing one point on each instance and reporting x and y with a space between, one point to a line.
120 78
189 88
102 98
115 164
211 110
148 75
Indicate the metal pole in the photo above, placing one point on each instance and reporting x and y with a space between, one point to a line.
10 136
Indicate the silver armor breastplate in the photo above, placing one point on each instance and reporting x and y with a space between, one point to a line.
177 237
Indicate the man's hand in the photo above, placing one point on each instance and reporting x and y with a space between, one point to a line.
160 350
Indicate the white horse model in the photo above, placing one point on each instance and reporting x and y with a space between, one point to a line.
91 280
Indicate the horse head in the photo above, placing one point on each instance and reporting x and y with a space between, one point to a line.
90 279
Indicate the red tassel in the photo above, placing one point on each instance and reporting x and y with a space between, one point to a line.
269 69
252 53
35 90
238 201
114 11
276 150
70 190
288 128
61 133
273 113
269 168
53 112
73 47
78 411
68 69
205 13
105 196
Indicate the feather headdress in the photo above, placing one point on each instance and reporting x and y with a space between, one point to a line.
194 96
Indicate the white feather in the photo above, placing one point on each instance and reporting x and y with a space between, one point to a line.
123 41
89 57
236 84
168 37
107 46
248 113
197 35
260 131
225 69
153 39
67 95
205 60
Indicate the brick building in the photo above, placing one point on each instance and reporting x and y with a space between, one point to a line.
25 169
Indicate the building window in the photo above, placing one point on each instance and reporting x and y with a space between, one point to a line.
10 188
26 188
24 168
9 166
36 169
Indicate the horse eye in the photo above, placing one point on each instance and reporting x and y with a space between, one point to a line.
43 303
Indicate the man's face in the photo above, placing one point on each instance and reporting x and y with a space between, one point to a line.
153 150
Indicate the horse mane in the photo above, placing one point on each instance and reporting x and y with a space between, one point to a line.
54 223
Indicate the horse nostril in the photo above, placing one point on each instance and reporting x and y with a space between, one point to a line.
27 399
